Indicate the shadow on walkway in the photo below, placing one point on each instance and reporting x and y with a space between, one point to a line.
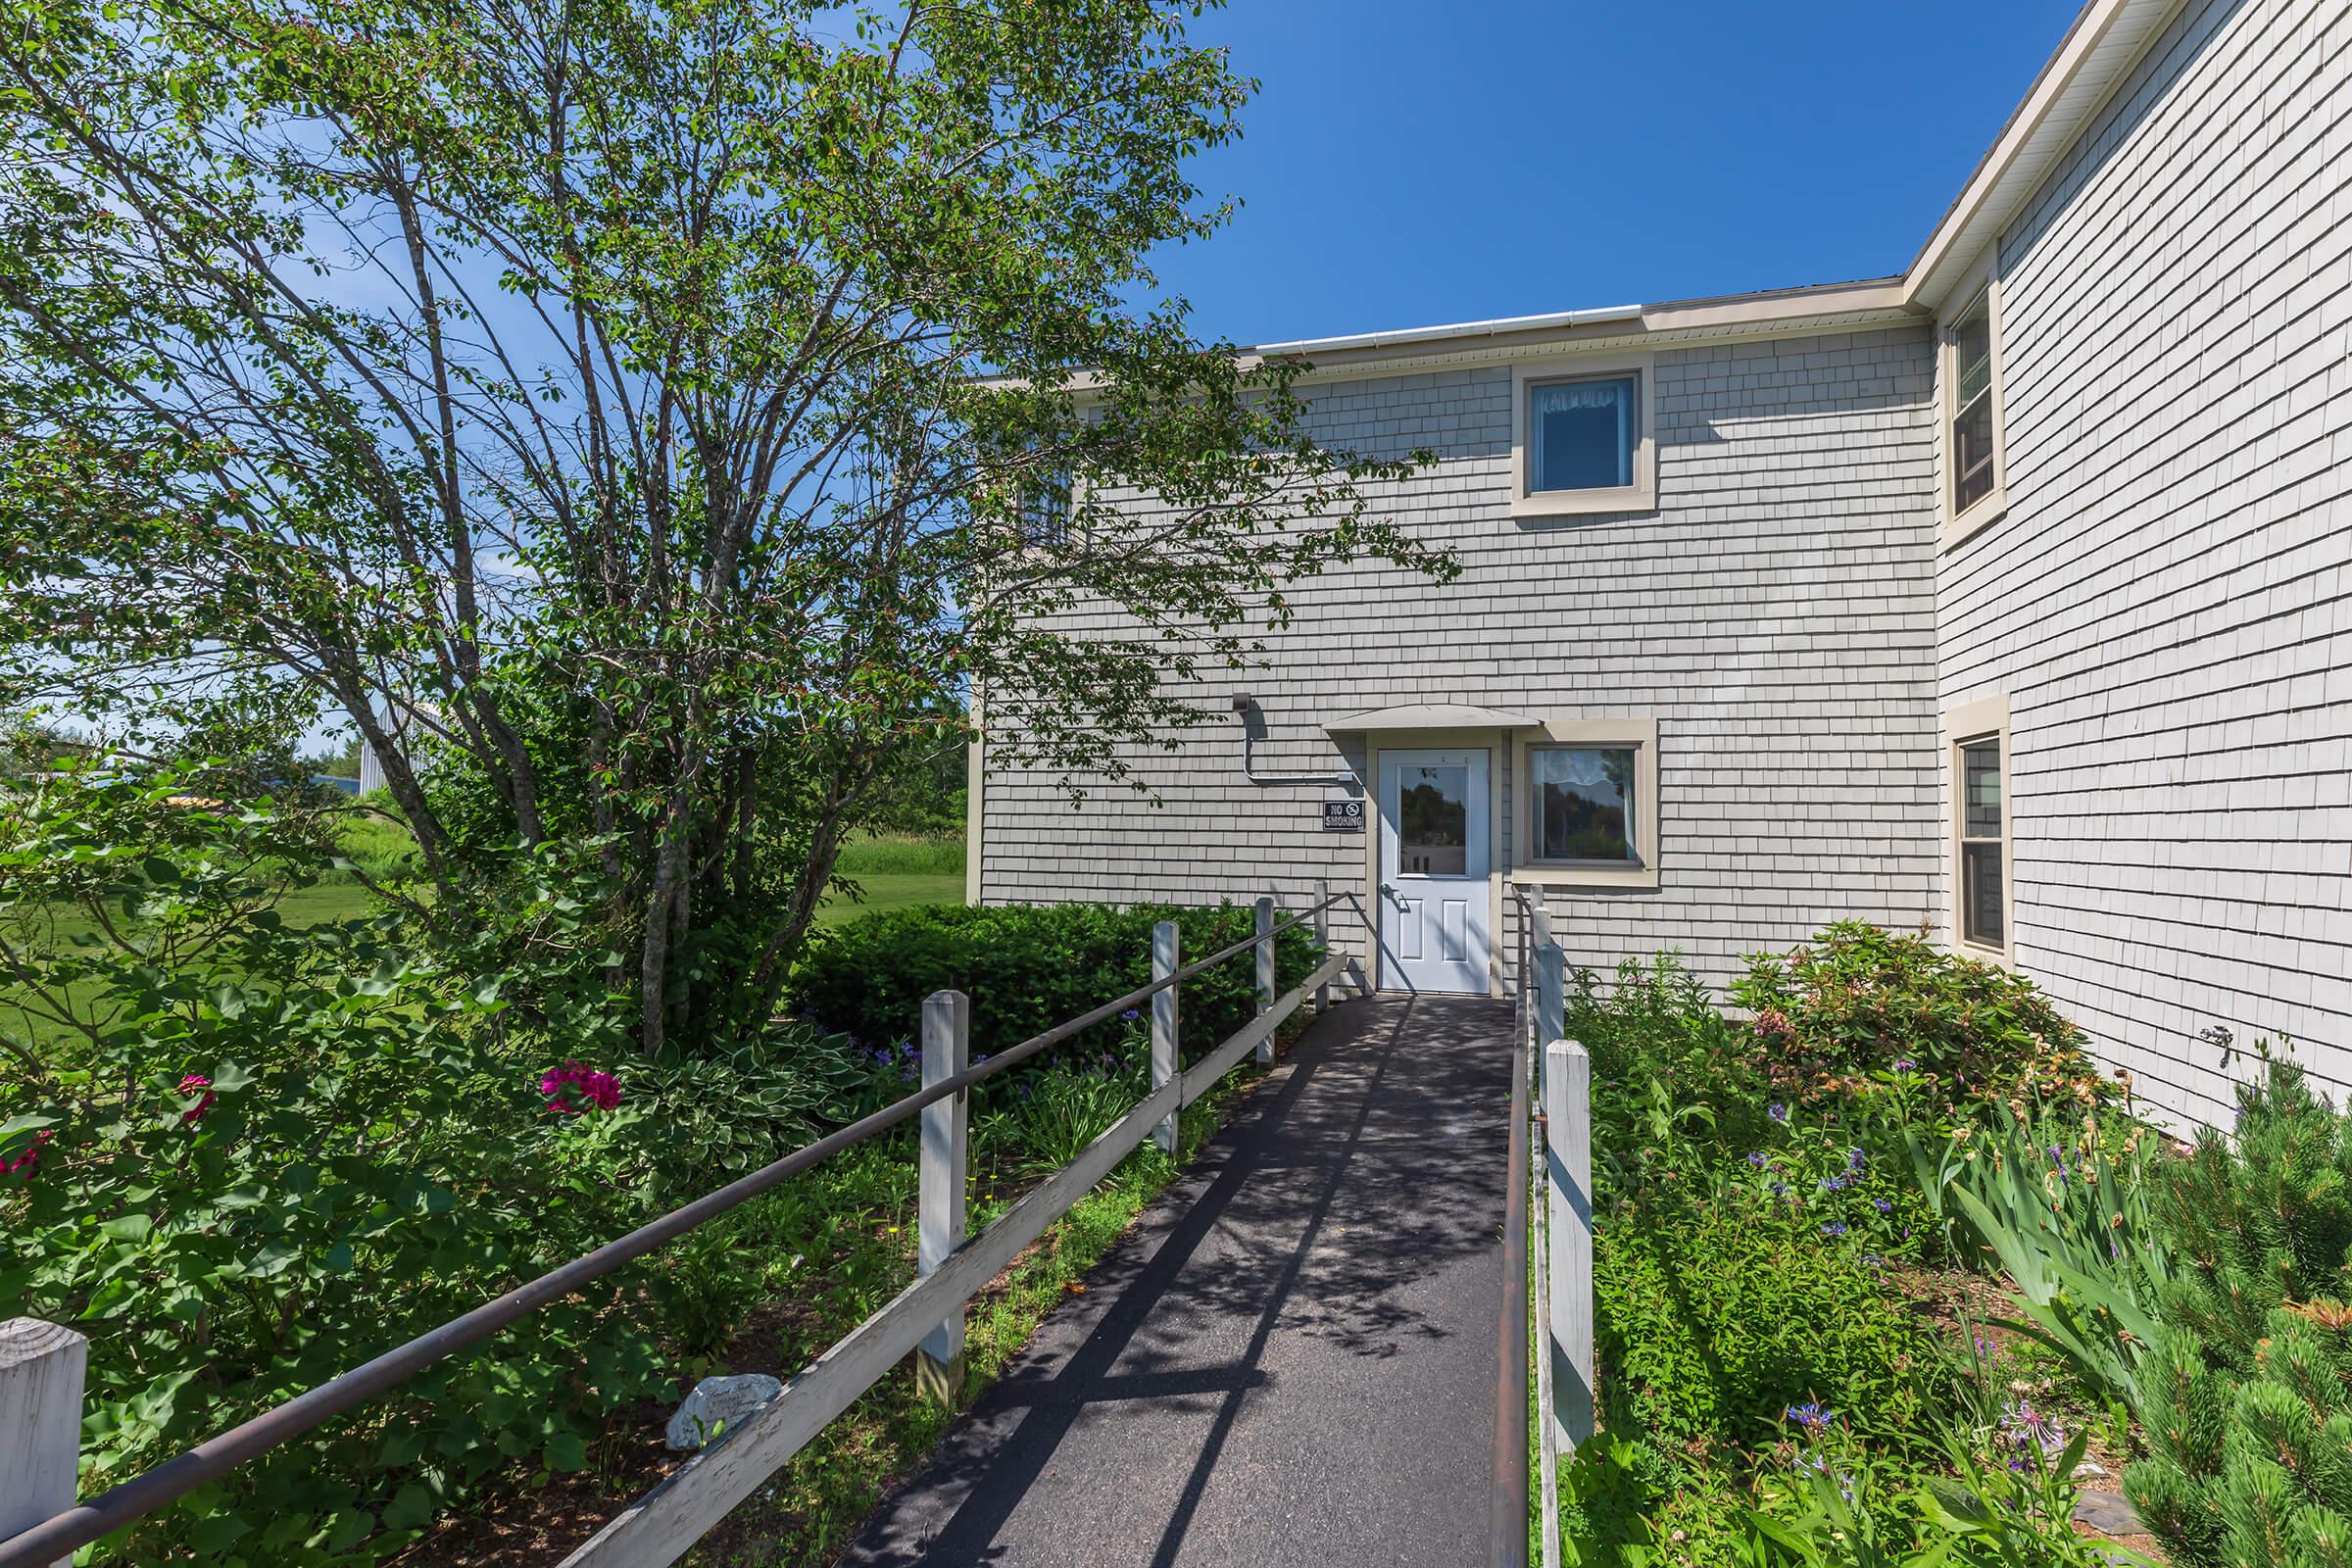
1289 1359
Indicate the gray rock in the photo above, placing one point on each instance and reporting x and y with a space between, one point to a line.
720 1405
2108 1514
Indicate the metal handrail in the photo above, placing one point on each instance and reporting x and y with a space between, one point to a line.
65 1533
1513 1482
1507 1513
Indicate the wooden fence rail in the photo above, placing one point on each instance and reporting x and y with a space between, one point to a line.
41 1364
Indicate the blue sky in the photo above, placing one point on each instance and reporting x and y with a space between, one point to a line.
1409 163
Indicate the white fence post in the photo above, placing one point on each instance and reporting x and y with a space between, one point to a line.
1551 994
41 1367
1164 1069
1568 1225
1265 1056
939 1231
1322 943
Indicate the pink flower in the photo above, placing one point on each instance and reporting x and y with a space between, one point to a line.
595 1089
1773 1021
25 1164
188 1086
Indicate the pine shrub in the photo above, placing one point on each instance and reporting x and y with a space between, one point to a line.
2247 1402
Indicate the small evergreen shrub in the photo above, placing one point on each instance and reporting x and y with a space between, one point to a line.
1857 999
2247 1400
1027 967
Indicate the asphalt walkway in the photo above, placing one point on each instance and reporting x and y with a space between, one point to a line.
1289 1359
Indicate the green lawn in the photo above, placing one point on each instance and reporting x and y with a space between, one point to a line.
891 874
886 890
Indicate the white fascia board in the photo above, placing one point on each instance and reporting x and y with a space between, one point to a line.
2106 41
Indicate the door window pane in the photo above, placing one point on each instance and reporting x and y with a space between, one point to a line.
1580 434
1584 803
1432 820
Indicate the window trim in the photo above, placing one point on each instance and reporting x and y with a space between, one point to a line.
1968 724
1642 734
1957 527
1640 495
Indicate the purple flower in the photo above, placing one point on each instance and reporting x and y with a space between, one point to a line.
1905 1065
1985 1349
1832 1228
1756 1158
1881 1205
1777 1111
1811 1415
2025 1428
1130 1015
1853 1159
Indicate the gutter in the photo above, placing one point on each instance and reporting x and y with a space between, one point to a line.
1502 326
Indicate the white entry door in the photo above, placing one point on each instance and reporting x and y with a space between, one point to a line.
1433 871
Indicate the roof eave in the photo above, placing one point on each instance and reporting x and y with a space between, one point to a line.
2107 39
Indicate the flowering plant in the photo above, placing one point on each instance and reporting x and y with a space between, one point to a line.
575 1089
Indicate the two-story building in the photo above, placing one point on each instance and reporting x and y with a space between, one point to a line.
2011 595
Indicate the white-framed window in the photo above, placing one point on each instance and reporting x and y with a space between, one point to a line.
1982 922
1973 459
1587 798
1583 806
1583 438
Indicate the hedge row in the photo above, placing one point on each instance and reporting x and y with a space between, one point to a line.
1027 967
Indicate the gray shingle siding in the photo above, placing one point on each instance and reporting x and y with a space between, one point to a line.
2166 602
1775 614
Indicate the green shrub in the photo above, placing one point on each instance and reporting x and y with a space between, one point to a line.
2246 1398
274 1152
1027 967
1856 999
1715 1315
711 1119
1664 1060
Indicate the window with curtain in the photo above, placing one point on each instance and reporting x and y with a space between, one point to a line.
1580 434
1584 803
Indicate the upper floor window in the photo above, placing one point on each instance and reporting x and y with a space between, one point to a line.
1581 439
1580 434
1972 453
1046 506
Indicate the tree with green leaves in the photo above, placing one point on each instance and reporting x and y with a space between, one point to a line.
648 423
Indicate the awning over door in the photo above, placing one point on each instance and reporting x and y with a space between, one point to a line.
1431 716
